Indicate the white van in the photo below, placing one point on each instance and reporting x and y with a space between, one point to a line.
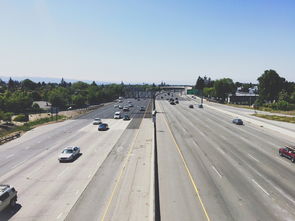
117 115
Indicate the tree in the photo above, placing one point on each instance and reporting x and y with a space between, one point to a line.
284 96
28 85
59 97
209 92
200 84
79 100
270 85
63 83
223 87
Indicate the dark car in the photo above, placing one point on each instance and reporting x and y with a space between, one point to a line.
103 126
289 152
126 117
238 121
172 103
200 106
176 102
191 106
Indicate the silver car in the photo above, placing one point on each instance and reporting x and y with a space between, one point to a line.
8 196
69 154
96 121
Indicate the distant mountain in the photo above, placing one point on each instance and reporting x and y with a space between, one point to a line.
51 80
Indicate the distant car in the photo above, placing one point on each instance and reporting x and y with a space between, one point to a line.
130 105
289 152
117 115
8 197
103 126
96 121
116 105
126 117
125 108
120 107
238 121
172 103
120 101
176 102
129 102
69 154
161 97
138 99
191 106
200 106
142 108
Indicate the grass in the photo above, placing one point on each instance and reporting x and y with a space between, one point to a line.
276 117
30 125
267 109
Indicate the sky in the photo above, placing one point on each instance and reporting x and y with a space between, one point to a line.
138 41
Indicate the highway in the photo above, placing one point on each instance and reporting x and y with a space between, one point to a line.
211 169
47 189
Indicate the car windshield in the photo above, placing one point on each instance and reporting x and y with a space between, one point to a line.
67 151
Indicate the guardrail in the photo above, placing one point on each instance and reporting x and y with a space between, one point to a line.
9 138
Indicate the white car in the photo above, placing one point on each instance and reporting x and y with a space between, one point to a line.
125 108
8 196
116 106
69 154
117 115
96 121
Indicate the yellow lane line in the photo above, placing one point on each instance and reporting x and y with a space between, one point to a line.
188 171
121 173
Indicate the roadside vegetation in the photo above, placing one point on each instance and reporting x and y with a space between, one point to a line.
276 117
17 99
272 93
30 125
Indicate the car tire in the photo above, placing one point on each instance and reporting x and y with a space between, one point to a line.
293 160
281 154
12 202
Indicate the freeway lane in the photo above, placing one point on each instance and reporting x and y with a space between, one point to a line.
47 189
236 169
41 138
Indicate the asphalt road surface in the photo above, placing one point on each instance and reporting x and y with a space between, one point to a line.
47 189
211 169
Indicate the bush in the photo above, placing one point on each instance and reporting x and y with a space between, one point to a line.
281 105
21 118
5 116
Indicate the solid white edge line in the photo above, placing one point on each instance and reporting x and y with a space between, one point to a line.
253 157
9 156
62 172
59 216
213 167
260 187
17 164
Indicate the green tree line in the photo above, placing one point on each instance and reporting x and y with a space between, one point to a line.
18 96
274 91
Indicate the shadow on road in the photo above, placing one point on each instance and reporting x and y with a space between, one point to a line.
9 212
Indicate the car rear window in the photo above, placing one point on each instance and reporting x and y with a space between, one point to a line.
4 196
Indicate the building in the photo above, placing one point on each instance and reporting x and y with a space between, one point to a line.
242 98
